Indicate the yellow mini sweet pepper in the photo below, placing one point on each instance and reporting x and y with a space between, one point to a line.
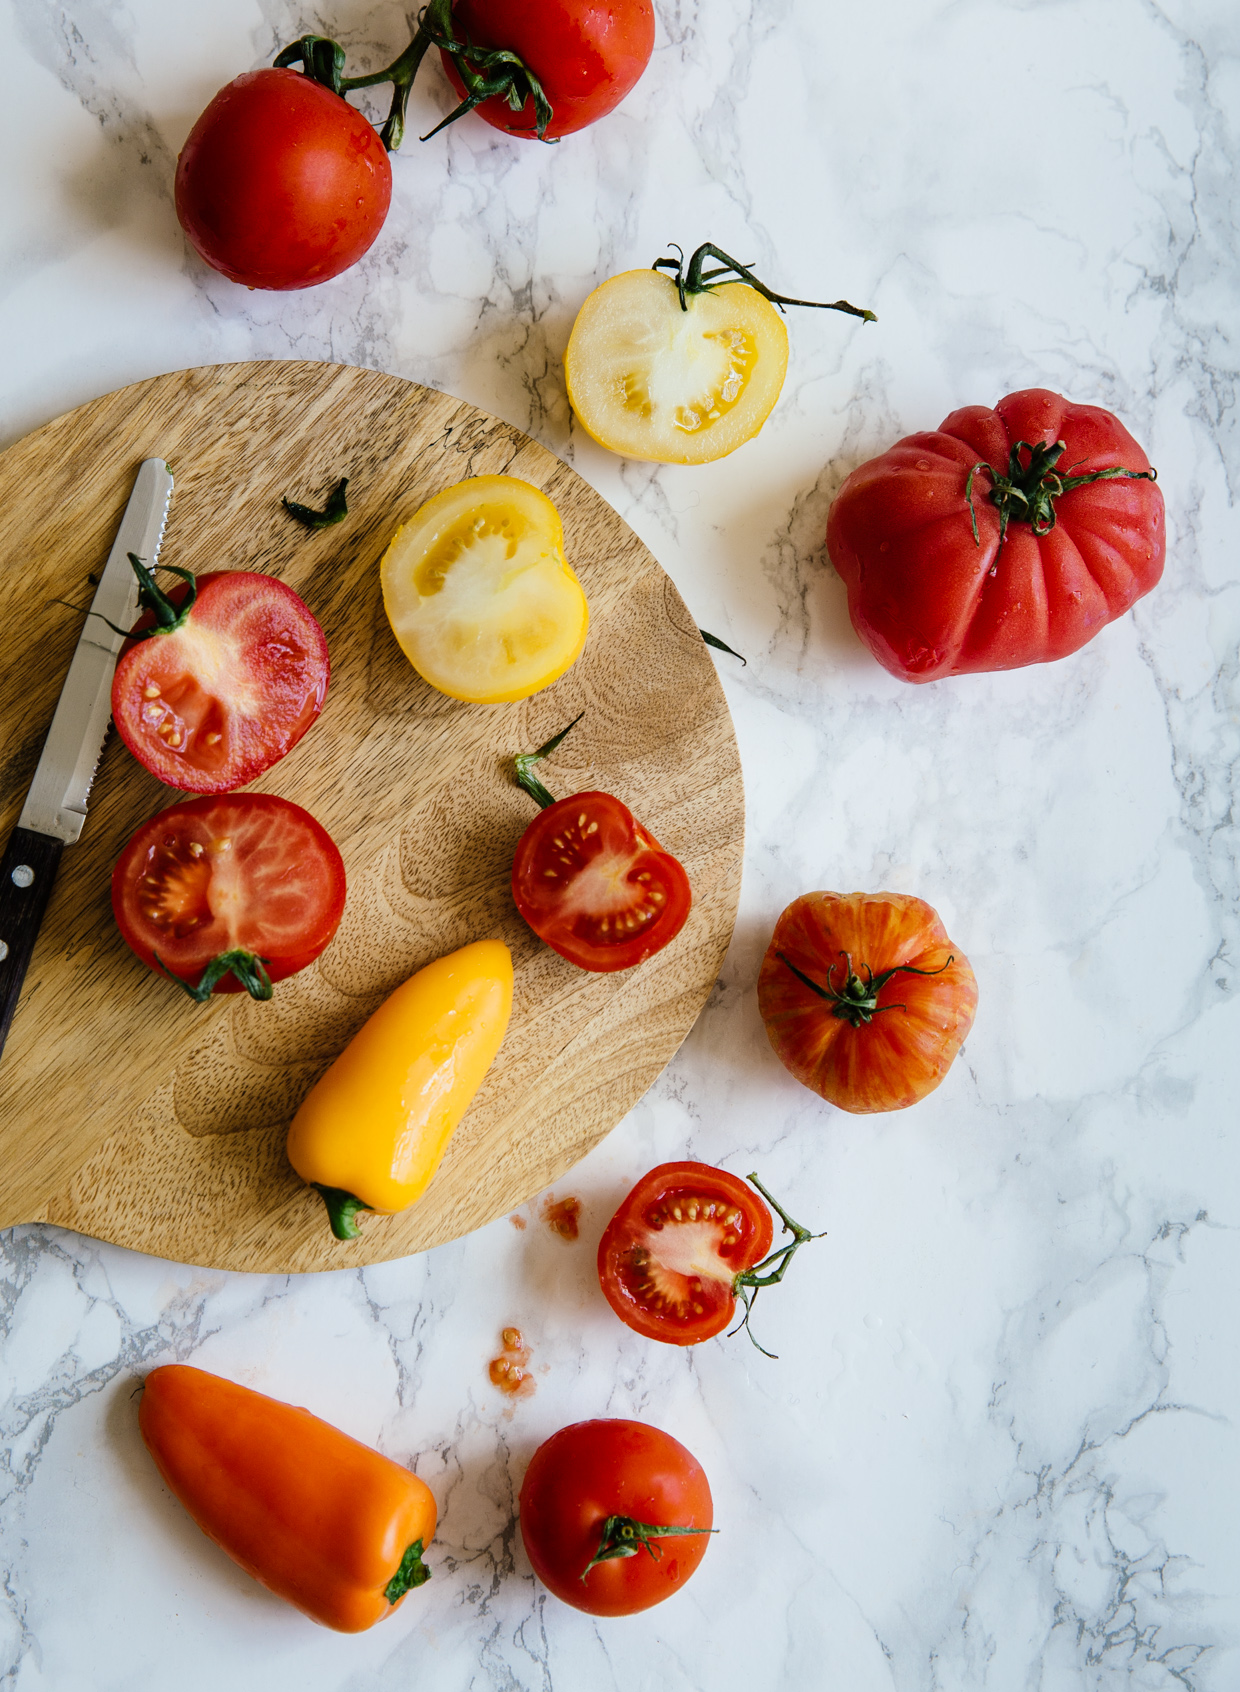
372 1130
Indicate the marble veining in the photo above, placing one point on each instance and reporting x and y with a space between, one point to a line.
998 1451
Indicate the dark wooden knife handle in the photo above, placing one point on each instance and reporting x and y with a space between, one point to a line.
27 872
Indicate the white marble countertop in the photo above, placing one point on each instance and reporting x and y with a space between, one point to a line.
999 1450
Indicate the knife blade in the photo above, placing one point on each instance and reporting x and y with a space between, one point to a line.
55 808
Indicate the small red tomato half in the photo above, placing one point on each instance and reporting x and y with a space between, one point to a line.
587 54
669 1257
281 183
865 999
211 887
597 886
227 687
615 1516
1004 537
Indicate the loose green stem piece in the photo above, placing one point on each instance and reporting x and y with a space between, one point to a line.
342 1209
695 280
523 765
721 646
624 1537
335 510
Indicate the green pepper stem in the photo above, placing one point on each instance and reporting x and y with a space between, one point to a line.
412 1572
342 1209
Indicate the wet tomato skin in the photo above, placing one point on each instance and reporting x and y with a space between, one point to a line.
283 887
596 886
240 683
679 1218
281 183
587 54
592 1470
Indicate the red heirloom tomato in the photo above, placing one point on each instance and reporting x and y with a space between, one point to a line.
226 677
864 997
229 892
281 183
1002 538
586 54
615 1516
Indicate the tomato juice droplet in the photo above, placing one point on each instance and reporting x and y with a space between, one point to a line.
563 1216
517 1221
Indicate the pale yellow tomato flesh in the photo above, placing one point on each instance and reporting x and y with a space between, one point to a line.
651 381
479 593
378 1122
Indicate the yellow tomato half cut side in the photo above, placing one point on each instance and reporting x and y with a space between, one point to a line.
479 593
651 381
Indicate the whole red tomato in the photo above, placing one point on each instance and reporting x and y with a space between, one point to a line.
1002 538
615 1516
587 54
220 687
282 183
597 886
865 999
213 888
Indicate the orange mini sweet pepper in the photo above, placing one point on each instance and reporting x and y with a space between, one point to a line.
320 1519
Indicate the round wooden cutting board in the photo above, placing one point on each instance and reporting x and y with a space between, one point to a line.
131 1114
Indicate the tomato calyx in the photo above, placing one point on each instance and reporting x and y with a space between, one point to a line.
695 280
1027 493
335 508
342 1209
857 1000
523 765
622 1536
412 1572
250 970
748 1283
485 72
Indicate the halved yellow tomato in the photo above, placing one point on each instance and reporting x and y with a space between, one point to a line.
479 593
653 381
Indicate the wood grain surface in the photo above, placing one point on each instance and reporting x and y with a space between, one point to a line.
133 1115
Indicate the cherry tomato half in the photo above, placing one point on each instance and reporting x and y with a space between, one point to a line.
587 54
211 703
591 1472
281 183
244 874
669 1257
597 886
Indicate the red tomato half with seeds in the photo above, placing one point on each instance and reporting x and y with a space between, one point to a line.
239 876
615 1516
1004 537
597 886
281 183
587 54
212 701
669 1258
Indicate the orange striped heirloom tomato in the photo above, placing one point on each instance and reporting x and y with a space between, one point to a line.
864 997
320 1519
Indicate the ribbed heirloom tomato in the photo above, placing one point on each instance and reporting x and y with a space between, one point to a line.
1003 537
864 997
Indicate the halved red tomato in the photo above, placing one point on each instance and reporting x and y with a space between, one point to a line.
226 676
596 885
229 892
669 1257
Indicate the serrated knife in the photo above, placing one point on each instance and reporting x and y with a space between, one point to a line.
55 807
